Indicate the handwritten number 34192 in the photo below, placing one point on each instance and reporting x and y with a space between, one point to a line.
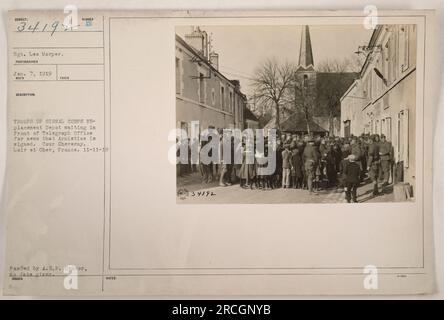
38 27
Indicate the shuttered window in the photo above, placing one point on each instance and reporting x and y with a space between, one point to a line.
178 77
403 48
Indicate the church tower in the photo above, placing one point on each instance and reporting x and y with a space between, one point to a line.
305 72
305 51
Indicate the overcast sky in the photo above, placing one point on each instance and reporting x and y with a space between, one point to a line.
242 48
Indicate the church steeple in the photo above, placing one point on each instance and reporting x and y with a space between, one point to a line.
305 51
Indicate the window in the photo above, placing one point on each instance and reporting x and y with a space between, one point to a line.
347 125
385 60
213 97
365 91
184 130
385 104
231 102
178 77
379 82
403 48
392 65
388 130
239 107
403 137
368 87
305 81
239 112
222 98
235 102
201 88
375 81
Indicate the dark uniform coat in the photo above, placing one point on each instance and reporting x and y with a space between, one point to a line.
373 161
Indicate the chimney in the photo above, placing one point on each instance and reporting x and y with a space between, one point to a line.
205 44
214 60
236 84
198 39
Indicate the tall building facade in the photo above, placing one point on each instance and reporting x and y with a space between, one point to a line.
202 92
383 99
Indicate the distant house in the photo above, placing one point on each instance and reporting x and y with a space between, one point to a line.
297 124
251 121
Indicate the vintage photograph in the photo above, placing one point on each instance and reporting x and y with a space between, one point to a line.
339 100
269 153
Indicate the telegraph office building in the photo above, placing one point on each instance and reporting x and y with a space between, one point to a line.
383 99
202 92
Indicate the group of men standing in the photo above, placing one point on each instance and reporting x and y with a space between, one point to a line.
311 163
314 163
380 160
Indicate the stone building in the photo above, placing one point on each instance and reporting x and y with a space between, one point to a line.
383 99
203 93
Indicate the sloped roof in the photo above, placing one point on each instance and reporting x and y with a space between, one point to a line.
295 123
271 124
249 115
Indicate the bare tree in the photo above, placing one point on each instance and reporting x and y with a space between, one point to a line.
348 64
271 81
307 104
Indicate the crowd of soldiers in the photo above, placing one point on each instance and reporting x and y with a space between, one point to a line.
316 163
310 163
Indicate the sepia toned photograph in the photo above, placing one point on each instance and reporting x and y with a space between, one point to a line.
268 153
295 113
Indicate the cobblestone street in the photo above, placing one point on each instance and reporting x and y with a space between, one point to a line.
196 192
